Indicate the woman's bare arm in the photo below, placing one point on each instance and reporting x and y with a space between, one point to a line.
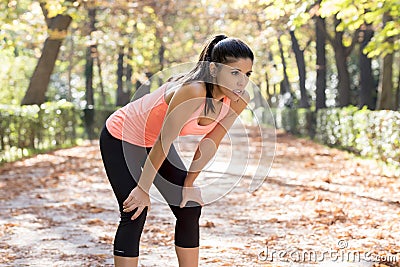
209 144
182 105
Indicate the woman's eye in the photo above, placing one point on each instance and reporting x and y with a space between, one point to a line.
235 72
248 74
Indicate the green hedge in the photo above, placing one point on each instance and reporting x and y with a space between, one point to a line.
295 121
94 119
26 130
368 133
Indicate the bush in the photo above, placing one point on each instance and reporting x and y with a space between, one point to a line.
295 121
27 129
57 122
368 133
94 119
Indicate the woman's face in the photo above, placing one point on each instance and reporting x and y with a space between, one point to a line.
232 78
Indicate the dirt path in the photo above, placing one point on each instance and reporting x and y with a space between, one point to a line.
57 209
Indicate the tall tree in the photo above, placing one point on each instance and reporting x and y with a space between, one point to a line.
285 85
386 39
123 95
128 75
320 43
301 67
101 82
91 52
367 84
342 53
397 101
386 92
57 29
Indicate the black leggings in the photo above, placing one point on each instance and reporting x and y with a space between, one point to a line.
123 163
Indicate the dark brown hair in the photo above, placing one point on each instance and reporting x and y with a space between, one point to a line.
218 49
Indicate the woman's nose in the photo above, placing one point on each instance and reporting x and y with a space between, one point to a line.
242 80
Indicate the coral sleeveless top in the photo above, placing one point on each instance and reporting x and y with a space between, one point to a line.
140 121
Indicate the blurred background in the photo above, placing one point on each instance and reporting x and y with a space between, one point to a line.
326 68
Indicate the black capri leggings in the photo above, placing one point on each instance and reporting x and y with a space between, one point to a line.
123 163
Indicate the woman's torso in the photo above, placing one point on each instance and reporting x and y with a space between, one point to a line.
140 121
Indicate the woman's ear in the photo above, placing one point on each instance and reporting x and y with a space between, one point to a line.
213 69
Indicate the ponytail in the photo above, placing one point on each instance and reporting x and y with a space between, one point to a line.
206 57
206 54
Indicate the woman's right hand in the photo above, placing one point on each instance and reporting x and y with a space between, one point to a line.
191 193
137 199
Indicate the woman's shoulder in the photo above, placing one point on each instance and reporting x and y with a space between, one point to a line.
185 91
194 89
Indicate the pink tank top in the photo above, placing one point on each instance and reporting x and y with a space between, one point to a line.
140 121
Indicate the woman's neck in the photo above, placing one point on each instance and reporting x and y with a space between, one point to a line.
217 93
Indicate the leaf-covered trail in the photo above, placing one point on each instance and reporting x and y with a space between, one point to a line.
57 209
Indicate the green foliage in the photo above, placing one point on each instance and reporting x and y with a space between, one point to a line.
64 7
148 26
14 76
94 119
334 127
22 27
385 133
353 14
26 129
289 120
305 122
296 121
368 133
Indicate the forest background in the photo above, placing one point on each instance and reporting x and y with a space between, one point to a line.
318 63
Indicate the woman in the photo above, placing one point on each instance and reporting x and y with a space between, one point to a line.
137 145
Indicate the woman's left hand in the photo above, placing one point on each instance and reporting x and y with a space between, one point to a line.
191 193
137 199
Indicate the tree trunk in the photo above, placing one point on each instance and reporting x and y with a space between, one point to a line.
123 92
385 89
70 68
366 77
269 99
386 94
258 98
285 86
343 79
128 74
70 59
301 67
99 70
120 78
40 79
161 54
397 102
341 54
90 54
89 77
320 29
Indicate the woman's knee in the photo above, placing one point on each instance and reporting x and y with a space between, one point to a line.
190 214
127 237
187 229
